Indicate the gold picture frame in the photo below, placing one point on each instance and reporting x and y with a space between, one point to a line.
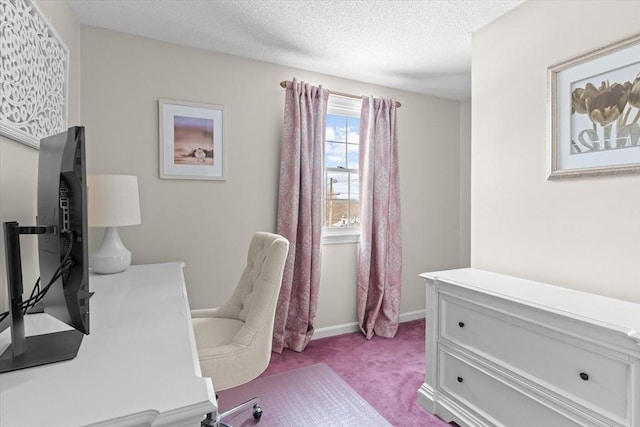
594 113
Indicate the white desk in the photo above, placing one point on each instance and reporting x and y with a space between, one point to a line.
138 367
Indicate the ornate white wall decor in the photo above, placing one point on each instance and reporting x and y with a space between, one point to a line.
34 73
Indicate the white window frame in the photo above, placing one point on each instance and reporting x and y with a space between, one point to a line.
351 107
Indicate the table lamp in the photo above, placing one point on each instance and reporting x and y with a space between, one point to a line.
113 202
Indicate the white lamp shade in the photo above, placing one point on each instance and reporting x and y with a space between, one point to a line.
113 200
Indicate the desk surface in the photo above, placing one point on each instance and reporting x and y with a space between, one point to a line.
138 366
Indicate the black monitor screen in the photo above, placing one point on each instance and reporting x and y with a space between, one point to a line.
62 194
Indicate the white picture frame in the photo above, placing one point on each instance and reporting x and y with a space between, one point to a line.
594 113
192 140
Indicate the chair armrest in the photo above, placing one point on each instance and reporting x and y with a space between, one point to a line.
205 312
227 351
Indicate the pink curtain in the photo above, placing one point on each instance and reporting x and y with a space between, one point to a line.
300 213
380 252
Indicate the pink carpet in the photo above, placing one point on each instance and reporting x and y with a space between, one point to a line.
385 372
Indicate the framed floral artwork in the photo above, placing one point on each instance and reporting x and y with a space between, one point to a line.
594 113
192 140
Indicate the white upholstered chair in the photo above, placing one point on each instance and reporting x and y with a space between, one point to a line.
234 340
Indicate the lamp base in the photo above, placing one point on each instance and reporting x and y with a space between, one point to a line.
111 256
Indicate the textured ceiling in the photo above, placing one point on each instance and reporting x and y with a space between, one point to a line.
418 46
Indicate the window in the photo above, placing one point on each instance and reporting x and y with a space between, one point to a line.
341 216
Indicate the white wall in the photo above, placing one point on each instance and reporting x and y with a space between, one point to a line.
19 163
208 224
579 233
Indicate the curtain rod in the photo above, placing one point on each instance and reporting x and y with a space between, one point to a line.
283 84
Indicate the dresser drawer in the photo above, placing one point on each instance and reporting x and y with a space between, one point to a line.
594 379
495 401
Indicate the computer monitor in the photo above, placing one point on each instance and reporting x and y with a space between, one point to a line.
63 256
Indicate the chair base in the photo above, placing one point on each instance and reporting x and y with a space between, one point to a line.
210 421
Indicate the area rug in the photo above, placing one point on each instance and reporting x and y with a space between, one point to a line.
311 396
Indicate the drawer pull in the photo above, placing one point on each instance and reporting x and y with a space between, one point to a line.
460 379
584 376
461 324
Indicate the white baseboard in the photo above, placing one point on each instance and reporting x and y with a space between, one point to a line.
412 315
347 328
332 331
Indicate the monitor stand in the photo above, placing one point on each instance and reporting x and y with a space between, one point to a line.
26 352
43 349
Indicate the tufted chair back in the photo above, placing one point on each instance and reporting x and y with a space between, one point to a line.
234 339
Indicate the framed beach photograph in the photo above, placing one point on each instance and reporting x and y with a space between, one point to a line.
594 113
192 144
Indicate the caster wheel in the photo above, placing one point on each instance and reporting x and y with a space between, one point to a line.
209 421
257 411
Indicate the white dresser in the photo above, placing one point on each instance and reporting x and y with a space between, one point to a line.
138 367
502 351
